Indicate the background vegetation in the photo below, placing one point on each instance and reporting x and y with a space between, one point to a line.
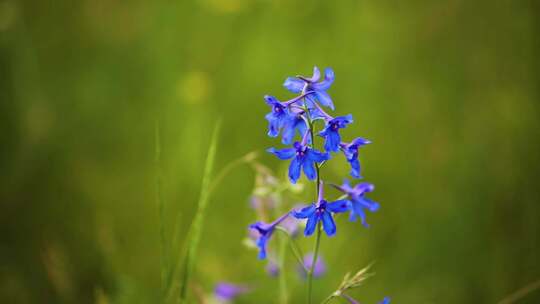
447 91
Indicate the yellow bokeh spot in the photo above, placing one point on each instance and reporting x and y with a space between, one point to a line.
194 87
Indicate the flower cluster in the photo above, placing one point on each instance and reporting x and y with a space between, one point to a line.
298 116
296 121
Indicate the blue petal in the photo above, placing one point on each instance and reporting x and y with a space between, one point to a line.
294 170
305 212
309 100
359 141
311 224
273 125
349 152
282 154
357 209
324 99
288 134
369 204
301 127
261 243
309 169
316 75
338 206
271 100
328 223
332 140
325 131
362 188
317 156
385 301
264 236
327 82
352 216
355 168
294 84
343 120
293 124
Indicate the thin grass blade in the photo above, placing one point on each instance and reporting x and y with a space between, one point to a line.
164 248
195 230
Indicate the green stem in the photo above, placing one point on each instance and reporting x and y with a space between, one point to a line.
315 255
282 274
317 186
328 299
235 163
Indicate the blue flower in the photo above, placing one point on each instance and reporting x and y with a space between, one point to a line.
227 292
303 84
357 200
303 157
322 211
350 150
278 116
319 269
265 233
331 132
295 123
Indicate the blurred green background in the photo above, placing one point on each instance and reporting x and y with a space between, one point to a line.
448 92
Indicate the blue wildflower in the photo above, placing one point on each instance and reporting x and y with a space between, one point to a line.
227 292
265 233
286 116
304 84
350 150
358 202
320 266
321 211
278 116
303 157
295 123
331 132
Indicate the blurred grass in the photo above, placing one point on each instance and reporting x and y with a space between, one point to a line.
447 91
195 230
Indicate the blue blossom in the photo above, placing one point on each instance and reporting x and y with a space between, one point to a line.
278 116
287 117
265 233
320 266
350 150
331 132
357 200
227 292
321 211
303 157
294 124
304 84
